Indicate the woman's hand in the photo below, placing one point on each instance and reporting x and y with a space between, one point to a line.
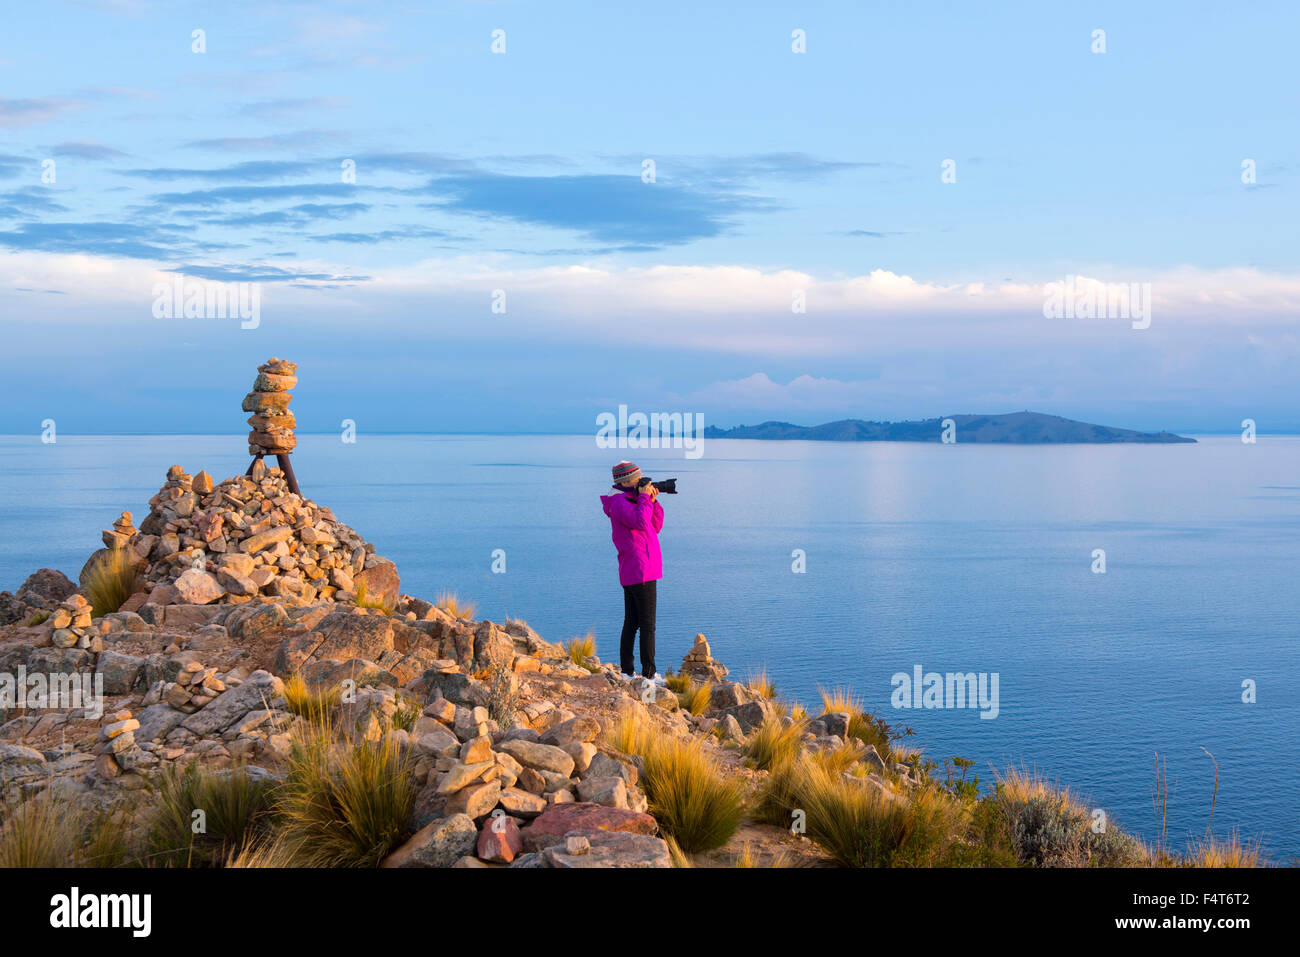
650 490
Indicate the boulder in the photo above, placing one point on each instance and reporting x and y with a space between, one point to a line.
381 582
608 849
499 840
493 648
441 843
540 757
521 803
579 729
475 800
196 587
252 620
609 791
122 673
749 716
559 819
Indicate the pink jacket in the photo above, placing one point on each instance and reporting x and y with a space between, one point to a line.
635 521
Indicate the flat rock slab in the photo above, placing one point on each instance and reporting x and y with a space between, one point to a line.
611 849
557 820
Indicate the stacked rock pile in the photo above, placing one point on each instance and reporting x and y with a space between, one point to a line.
70 625
272 422
194 687
117 745
204 542
699 662
120 535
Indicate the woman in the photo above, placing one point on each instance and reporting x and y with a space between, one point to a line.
636 517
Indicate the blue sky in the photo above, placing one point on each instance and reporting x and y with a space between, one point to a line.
776 174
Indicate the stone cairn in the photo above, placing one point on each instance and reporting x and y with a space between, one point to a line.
194 687
272 422
700 663
70 625
230 542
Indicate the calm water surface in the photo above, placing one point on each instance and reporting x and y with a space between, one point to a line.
955 558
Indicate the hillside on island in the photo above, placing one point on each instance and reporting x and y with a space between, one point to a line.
1019 428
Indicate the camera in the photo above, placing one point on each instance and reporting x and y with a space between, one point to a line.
665 486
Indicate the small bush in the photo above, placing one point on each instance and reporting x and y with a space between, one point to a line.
110 581
1212 852
408 712
693 800
695 698
343 804
38 618
234 807
760 684
1050 832
314 704
452 605
677 683
774 743
40 832
580 649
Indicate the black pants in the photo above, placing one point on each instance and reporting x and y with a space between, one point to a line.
638 613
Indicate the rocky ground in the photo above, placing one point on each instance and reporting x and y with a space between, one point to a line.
243 585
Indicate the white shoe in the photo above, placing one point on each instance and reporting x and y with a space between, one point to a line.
659 680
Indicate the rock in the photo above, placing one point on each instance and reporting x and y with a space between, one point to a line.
457 687
463 775
340 636
122 673
521 803
440 843
260 688
541 757
381 582
731 728
579 729
749 716
234 583
602 765
700 664
435 740
836 722
18 756
251 621
499 840
42 590
609 850
559 819
476 750
872 759
531 781
493 648
582 752
729 694
198 587
262 540
609 791
475 800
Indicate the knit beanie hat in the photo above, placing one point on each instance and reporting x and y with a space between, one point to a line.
626 472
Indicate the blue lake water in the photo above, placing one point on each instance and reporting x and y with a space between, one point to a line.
963 558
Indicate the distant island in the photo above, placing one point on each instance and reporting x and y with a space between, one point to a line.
1017 428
